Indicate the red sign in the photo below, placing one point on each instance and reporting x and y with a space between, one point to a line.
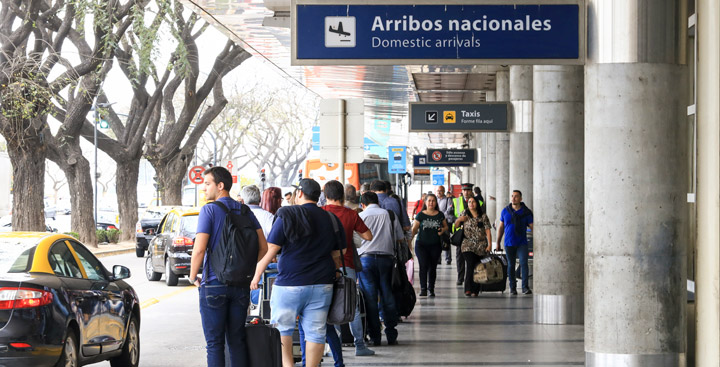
196 175
234 179
229 166
436 156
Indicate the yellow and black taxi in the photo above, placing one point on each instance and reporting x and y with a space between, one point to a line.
59 306
170 251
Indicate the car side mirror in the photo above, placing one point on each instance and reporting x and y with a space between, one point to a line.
120 272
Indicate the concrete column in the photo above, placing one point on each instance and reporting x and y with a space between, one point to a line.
488 173
490 192
707 280
559 232
502 149
521 139
481 176
635 190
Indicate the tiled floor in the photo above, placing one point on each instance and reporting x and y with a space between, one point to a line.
491 330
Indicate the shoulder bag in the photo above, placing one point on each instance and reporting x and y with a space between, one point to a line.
457 237
344 301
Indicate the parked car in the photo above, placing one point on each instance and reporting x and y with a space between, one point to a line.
50 211
147 226
6 225
171 249
59 306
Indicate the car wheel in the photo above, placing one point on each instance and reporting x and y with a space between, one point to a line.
139 251
69 356
170 278
130 356
150 273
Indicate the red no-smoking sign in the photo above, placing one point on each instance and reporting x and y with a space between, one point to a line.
436 156
196 175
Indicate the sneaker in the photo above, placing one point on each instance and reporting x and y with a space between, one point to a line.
431 293
527 291
423 293
448 262
364 352
392 342
459 282
513 292
376 343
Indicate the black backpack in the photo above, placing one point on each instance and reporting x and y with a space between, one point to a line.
236 253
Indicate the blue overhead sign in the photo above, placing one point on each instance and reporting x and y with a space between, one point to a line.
526 31
397 160
316 138
438 178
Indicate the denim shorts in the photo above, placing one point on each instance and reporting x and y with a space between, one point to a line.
310 302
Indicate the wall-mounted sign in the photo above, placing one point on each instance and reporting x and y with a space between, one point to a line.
460 117
397 160
422 32
452 156
422 161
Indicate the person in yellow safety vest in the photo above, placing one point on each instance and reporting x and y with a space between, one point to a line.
460 203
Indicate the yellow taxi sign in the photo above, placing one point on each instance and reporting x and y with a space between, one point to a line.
448 117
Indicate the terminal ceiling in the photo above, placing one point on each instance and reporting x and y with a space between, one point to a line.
386 90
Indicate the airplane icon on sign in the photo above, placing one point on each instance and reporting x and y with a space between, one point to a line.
339 30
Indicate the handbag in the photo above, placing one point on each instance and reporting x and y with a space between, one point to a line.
457 237
445 241
344 297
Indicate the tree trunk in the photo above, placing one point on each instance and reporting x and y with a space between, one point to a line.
76 168
82 220
28 183
170 174
126 182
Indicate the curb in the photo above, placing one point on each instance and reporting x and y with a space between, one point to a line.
115 252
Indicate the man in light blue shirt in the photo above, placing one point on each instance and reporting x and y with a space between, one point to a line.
387 202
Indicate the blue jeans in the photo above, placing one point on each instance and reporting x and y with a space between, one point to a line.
223 310
333 341
375 283
521 253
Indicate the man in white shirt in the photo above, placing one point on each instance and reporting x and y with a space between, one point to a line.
251 197
377 258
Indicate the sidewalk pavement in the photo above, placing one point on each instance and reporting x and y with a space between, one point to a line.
112 249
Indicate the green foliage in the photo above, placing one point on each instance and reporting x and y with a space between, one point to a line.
110 235
25 97
73 234
101 235
113 235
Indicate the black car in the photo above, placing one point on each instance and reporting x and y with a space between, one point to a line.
147 226
171 249
59 306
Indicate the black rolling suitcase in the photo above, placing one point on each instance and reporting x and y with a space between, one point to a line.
499 286
264 345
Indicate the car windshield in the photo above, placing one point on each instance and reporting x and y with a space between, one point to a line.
154 214
15 254
189 223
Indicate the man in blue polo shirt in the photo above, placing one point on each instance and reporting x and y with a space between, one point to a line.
223 308
514 221
311 252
